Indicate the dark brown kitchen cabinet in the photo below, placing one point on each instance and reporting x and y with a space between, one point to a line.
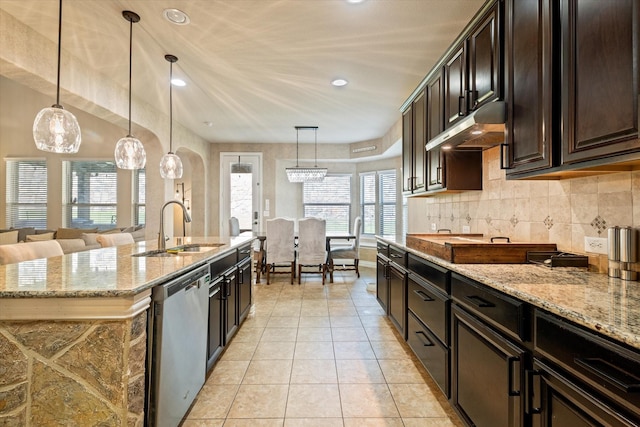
414 139
407 150
458 170
435 125
529 137
473 69
455 85
382 276
600 52
572 101
397 280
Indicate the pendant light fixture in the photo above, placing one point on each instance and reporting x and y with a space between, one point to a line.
299 174
55 129
129 152
170 164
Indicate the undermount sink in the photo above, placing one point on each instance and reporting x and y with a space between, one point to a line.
180 250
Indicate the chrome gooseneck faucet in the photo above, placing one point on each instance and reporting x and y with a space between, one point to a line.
187 218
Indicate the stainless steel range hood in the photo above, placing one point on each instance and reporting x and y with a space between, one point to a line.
484 128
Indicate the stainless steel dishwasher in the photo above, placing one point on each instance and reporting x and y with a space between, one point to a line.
178 346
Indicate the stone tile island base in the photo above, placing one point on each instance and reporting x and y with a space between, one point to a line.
87 372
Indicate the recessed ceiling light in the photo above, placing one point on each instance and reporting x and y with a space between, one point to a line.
355 1
176 16
208 124
339 82
178 82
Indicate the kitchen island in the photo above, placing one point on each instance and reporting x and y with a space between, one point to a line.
73 332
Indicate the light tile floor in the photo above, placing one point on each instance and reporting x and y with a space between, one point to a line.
319 356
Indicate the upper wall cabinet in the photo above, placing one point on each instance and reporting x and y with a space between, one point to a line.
473 69
599 78
573 95
414 132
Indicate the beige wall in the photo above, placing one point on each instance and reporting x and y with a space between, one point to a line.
558 211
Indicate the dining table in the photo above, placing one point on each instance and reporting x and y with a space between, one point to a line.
261 255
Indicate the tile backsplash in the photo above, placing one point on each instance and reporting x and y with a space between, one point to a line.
557 211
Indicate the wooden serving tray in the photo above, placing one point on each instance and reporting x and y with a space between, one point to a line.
474 248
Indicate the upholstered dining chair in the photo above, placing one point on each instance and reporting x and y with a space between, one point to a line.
312 246
234 226
347 252
280 247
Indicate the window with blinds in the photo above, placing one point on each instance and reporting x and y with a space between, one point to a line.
368 202
387 186
90 194
26 193
139 191
329 199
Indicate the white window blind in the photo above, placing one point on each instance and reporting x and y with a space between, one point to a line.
26 193
329 199
139 191
90 189
387 185
368 202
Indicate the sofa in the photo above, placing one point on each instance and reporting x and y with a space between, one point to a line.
20 244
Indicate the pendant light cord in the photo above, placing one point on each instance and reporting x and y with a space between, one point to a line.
59 55
315 131
170 107
297 138
130 69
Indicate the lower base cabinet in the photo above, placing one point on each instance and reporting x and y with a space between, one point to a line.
433 355
487 371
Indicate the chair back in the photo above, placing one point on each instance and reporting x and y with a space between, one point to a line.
280 241
312 241
357 230
234 226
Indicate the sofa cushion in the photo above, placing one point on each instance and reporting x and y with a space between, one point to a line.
71 245
90 239
8 237
40 237
107 240
19 252
138 235
73 233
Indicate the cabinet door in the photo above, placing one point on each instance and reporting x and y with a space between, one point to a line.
529 90
455 85
407 150
599 56
214 337
487 373
382 283
419 141
244 288
485 68
231 309
435 125
397 298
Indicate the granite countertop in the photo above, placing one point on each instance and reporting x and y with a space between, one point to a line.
601 303
106 272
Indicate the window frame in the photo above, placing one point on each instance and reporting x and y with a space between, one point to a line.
346 225
138 205
13 187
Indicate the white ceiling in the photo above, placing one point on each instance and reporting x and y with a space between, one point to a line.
257 68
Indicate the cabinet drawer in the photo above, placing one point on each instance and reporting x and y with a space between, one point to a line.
398 256
383 248
244 252
222 264
604 365
505 313
431 273
430 306
433 355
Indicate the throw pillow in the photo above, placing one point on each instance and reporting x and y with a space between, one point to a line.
24 232
71 245
90 238
73 233
40 237
9 237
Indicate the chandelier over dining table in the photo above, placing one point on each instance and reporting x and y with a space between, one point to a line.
306 174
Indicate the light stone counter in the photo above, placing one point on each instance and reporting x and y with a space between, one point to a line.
606 305
73 333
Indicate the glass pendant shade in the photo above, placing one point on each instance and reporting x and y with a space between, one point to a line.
56 130
170 166
299 174
129 153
